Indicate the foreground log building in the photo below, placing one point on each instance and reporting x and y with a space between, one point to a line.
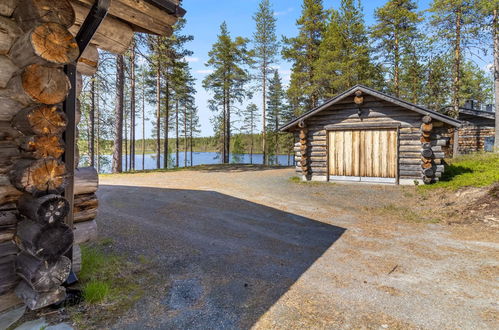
367 136
47 203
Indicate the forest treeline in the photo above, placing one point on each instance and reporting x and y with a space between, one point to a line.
425 57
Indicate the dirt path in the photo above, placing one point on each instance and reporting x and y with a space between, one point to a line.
240 249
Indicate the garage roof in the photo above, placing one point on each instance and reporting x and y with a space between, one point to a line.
372 92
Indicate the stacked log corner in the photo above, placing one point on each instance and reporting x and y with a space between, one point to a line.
301 149
434 144
35 44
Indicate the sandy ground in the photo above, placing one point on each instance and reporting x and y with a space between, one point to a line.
249 248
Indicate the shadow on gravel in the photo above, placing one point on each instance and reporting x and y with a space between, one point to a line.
226 261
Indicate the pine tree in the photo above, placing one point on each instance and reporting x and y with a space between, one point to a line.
118 123
394 32
454 23
476 84
276 106
250 120
303 52
489 30
437 84
345 53
266 47
229 59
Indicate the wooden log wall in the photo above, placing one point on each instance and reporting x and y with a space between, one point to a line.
35 44
374 111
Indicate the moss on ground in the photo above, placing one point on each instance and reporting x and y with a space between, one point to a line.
473 170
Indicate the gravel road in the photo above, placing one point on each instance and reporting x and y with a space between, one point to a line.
245 247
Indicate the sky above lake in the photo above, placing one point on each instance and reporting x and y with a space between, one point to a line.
203 22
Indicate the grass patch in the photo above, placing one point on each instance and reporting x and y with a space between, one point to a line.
295 179
95 291
473 170
111 285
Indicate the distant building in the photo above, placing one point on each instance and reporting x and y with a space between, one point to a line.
367 136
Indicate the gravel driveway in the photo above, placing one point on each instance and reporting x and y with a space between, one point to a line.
248 248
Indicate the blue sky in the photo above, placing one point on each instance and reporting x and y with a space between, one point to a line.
203 21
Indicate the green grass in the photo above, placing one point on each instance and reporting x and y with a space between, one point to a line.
473 170
95 291
104 276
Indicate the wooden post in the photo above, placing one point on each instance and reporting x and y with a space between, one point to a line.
455 144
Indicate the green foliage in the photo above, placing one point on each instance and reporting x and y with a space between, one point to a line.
473 170
345 53
276 108
265 44
395 32
303 51
476 84
229 59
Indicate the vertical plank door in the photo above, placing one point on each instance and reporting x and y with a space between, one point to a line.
363 153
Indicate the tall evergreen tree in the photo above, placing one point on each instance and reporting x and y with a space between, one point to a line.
394 32
345 54
250 120
266 47
276 107
437 82
229 59
455 25
303 52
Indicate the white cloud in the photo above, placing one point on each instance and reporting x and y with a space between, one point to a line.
283 12
489 67
207 71
191 59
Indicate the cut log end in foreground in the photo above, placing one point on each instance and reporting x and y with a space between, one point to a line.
39 177
46 209
36 300
40 84
49 42
38 120
43 146
46 242
41 275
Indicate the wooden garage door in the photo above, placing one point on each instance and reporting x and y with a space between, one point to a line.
363 155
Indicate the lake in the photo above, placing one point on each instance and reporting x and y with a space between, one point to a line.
198 158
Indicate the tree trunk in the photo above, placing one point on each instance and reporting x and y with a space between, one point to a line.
118 117
39 177
40 119
47 43
185 136
30 13
36 300
496 75
396 53
264 117
158 112
176 133
45 242
166 128
41 275
132 108
91 145
457 63
38 84
143 126
46 209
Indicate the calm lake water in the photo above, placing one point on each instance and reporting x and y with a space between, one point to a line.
198 158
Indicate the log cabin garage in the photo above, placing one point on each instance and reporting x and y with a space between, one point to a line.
47 203
363 135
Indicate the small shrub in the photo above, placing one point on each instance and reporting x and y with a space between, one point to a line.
95 291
